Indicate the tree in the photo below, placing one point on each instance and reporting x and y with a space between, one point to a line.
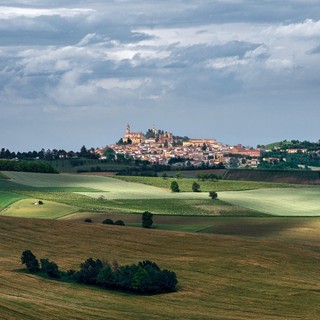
175 186
195 187
147 219
89 271
50 268
213 195
164 176
30 260
107 221
119 223
106 277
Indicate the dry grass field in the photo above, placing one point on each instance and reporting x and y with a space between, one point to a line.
220 277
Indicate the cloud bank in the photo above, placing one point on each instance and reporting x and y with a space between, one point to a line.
239 71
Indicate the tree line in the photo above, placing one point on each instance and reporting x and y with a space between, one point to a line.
26 166
144 277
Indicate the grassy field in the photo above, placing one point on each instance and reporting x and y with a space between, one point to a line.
220 277
3 176
205 186
49 210
282 202
7 198
104 193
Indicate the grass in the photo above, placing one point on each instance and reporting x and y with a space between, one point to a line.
27 208
219 277
7 198
205 186
280 202
3 176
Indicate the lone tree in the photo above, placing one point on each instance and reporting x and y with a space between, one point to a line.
30 260
147 219
174 186
196 187
213 195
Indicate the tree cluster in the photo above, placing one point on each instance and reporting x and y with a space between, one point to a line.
26 166
207 176
116 223
145 277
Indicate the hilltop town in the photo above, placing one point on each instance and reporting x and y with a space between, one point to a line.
162 147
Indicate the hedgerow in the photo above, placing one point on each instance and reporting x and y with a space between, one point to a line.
145 277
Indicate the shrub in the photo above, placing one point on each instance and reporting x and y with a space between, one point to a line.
106 277
88 220
50 268
89 271
213 195
195 187
119 223
147 219
175 186
107 221
30 260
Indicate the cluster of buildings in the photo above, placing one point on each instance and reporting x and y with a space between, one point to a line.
162 147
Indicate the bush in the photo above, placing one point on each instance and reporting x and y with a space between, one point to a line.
119 223
107 221
88 220
195 187
30 260
175 186
145 277
147 219
213 195
89 271
50 268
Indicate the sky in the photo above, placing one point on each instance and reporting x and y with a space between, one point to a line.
74 73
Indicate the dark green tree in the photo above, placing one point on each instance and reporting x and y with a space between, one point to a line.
106 277
195 187
147 219
107 221
50 268
213 195
119 223
174 186
30 260
89 271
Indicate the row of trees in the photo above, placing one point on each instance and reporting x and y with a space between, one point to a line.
145 277
48 154
26 166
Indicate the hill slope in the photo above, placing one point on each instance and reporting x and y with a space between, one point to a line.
219 277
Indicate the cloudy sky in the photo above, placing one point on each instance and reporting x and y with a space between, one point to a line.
76 72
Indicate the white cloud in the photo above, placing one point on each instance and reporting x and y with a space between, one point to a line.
16 12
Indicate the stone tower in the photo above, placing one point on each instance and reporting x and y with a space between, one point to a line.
127 129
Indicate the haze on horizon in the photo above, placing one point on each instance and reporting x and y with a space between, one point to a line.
240 71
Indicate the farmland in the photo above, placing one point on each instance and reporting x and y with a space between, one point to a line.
233 258
221 276
280 202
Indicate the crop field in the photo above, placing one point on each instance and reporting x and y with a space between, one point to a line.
280 202
7 198
96 193
220 277
27 208
206 186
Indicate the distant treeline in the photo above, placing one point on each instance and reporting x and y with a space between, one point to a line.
53 154
145 277
26 166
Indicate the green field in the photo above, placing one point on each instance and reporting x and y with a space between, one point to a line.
206 186
49 210
234 258
7 198
280 202
220 277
